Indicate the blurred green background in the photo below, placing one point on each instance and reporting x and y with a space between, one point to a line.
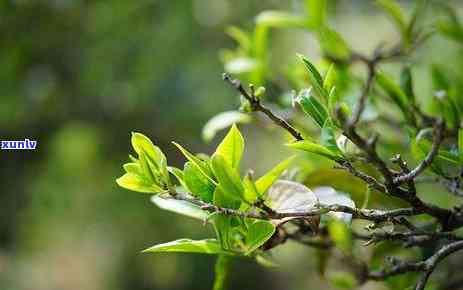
78 76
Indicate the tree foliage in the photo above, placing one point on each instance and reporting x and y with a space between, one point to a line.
252 215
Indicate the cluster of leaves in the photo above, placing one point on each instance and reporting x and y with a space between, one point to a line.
251 216
214 182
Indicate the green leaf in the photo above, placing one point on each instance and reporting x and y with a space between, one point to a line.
231 148
180 206
202 166
394 11
341 235
222 268
460 144
143 145
315 79
207 246
133 168
440 81
444 155
265 181
332 43
316 11
222 226
178 174
451 27
137 183
197 183
312 107
406 84
394 92
447 108
330 78
280 19
258 233
229 180
316 149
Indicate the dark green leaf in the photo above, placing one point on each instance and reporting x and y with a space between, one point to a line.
406 84
312 107
258 233
315 79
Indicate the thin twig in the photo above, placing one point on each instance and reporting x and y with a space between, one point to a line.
256 105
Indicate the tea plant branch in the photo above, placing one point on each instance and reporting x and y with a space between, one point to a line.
426 266
374 215
257 106
369 147
437 140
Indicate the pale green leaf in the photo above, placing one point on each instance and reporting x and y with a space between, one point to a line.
180 206
251 194
330 78
265 181
222 121
207 246
133 168
280 19
143 145
316 149
231 148
136 183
